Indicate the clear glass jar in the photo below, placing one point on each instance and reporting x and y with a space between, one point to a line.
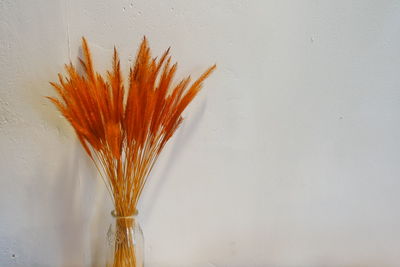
125 242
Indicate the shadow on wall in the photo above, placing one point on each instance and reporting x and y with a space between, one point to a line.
179 140
72 220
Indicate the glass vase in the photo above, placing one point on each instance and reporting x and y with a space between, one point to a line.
125 242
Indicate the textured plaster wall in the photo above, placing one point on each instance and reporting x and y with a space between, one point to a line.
289 157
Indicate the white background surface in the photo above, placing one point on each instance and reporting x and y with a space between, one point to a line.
289 157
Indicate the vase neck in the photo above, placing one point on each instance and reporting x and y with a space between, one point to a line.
117 216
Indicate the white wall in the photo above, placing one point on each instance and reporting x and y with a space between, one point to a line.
289 157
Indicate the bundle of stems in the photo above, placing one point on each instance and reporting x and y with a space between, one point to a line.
123 128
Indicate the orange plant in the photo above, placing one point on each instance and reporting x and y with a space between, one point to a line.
123 128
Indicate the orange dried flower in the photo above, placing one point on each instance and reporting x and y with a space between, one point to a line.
124 128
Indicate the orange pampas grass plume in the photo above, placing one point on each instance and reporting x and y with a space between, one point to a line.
124 127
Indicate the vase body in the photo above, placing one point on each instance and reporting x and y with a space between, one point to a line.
125 242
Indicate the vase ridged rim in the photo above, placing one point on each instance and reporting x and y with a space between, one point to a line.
114 214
